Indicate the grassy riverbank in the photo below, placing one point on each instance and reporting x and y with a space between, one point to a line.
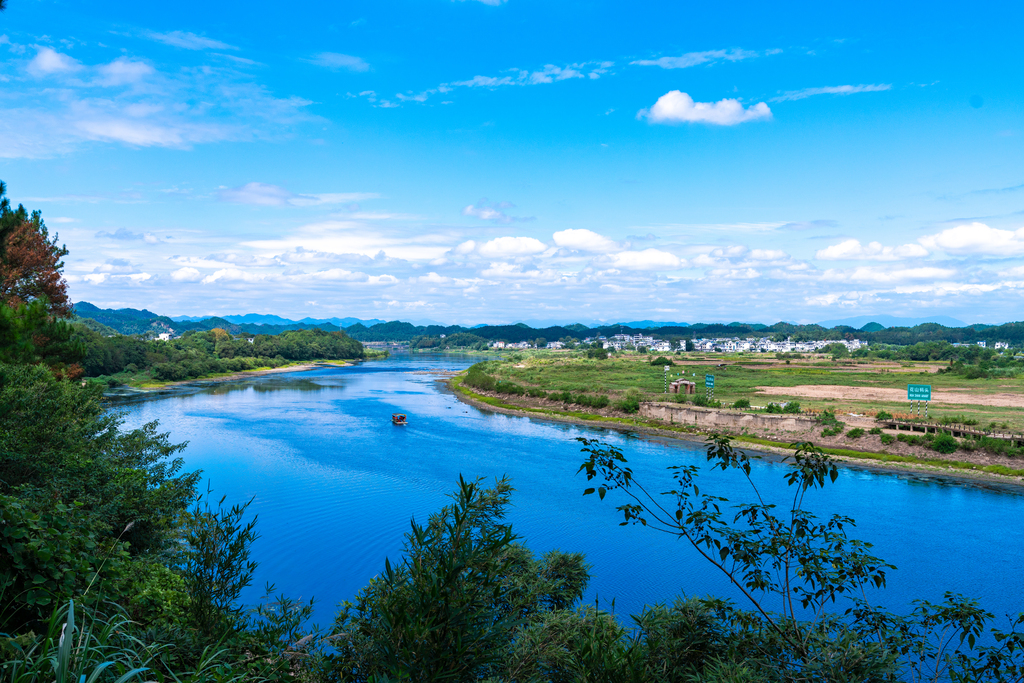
912 457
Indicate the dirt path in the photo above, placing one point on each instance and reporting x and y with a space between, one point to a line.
1001 400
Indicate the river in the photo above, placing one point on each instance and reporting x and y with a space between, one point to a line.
336 485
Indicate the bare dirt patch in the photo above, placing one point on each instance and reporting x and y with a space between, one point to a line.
1002 400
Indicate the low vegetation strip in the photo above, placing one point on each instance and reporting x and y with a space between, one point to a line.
516 398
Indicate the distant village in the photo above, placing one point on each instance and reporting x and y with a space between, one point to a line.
619 342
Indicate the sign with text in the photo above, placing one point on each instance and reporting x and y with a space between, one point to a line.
919 392
709 381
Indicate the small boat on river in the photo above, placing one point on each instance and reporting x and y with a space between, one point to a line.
398 419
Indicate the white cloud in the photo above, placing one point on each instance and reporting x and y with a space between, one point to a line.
48 61
123 71
493 212
886 274
831 90
466 247
186 274
188 41
679 107
977 238
648 259
264 194
734 274
582 239
696 58
336 60
231 275
768 255
852 249
511 246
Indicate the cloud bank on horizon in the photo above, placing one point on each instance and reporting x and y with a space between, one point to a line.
339 162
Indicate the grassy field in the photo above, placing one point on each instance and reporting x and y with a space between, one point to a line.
862 387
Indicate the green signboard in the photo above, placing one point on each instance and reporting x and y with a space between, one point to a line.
919 392
709 381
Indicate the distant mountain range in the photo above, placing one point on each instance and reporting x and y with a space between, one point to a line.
893 321
879 328
266 319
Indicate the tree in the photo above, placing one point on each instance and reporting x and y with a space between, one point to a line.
789 558
30 261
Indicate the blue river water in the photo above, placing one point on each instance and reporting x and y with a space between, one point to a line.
336 485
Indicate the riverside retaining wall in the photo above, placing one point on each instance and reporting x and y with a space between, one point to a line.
677 413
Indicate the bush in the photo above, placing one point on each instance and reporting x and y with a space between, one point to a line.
505 387
832 431
600 401
630 404
875 430
560 396
742 403
855 433
791 407
661 360
599 354
704 402
478 379
887 439
945 443
882 415
536 393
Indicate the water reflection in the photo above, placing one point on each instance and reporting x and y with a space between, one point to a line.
336 484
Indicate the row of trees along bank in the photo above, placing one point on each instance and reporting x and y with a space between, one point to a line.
115 566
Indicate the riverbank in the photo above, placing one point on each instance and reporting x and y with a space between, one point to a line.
861 459
298 366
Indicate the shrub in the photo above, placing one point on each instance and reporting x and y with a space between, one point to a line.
536 393
742 403
661 360
791 407
882 415
875 430
887 439
945 443
704 402
630 404
560 396
503 386
599 354
855 433
773 408
832 431
477 378
600 401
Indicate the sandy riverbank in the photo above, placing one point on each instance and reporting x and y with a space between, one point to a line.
245 374
860 460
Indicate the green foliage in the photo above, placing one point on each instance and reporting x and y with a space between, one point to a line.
49 554
855 433
791 559
887 439
30 334
477 378
741 403
505 387
218 563
875 431
882 416
945 443
450 609
197 354
832 431
598 354
661 361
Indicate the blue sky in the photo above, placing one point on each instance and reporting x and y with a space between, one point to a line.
468 161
